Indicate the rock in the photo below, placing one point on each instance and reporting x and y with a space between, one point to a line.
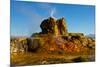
19 45
44 62
79 59
76 34
62 28
53 26
49 26
35 34
34 44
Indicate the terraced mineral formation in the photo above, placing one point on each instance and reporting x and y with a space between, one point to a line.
53 37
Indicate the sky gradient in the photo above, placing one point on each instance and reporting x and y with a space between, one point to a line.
26 17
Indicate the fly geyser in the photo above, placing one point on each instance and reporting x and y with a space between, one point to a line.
55 27
54 44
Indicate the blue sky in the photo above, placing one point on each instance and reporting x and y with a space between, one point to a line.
26 17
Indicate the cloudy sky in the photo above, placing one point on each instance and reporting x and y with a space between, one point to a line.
26 17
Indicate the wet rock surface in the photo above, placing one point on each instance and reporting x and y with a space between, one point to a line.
53 26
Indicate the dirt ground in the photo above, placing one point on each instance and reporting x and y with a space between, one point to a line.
38 58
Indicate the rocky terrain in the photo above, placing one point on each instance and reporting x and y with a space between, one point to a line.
54 44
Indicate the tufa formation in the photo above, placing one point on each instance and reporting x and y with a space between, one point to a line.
54 27
54 37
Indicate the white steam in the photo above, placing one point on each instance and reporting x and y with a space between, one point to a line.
52 12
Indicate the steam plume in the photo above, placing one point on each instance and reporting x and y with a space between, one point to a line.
52 12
